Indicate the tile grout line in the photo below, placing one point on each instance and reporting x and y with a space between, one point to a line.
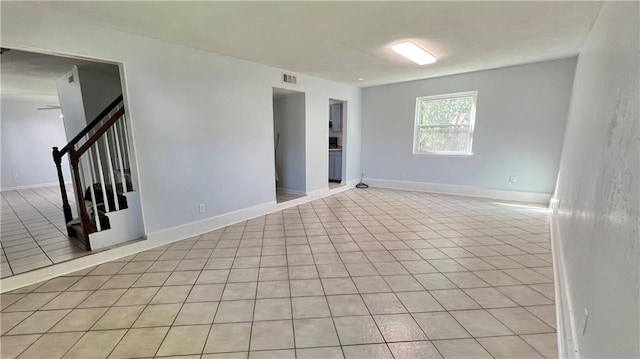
315 264
301 219
145 305
27 229
28 201
368 310
181 306
293 326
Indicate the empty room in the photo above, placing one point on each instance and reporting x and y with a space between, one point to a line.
270 179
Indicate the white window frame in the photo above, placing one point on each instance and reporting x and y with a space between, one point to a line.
416 124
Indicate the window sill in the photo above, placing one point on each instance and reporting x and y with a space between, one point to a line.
442 154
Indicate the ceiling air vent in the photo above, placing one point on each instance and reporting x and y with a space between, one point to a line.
289 79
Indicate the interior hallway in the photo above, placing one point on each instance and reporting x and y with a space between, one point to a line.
361 274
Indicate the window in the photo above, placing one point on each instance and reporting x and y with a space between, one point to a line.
444 124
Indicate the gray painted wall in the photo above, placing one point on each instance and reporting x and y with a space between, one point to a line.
94 87
27 138
201 123
599 187
92 90
100 85
289 120
71 104
520 120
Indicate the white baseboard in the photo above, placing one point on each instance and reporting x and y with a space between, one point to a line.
209 224
160 238
499 194
565 321
16 188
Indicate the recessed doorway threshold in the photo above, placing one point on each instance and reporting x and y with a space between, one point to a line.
282 196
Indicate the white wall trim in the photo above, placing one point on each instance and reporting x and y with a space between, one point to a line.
565 321
160 238
16 188
505 195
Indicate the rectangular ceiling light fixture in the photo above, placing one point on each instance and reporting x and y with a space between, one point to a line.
414 53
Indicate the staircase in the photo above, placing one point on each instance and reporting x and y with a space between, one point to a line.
109 209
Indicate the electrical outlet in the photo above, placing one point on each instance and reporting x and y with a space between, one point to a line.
16 175
513 179
403 175
202 208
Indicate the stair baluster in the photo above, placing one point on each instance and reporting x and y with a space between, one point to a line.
112 179
120 162
92 191
85 222
101 177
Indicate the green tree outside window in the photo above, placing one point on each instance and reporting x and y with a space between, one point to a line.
445 123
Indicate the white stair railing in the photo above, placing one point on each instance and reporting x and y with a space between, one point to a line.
120 162
112 179
90 162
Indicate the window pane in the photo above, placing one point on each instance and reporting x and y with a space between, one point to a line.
450 138
455 111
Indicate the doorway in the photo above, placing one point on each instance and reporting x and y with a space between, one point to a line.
48 100
289 144
337 142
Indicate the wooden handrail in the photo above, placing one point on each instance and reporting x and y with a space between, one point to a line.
94 138
90 126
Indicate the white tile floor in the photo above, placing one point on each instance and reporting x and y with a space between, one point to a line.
363 274
284 196
33 231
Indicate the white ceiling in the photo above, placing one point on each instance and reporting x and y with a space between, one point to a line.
346 41
32 74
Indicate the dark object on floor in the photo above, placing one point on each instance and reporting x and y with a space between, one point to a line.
97 190
362 184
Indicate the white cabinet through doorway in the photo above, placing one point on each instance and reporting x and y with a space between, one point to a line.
335 165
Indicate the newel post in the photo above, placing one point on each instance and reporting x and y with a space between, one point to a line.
57 158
